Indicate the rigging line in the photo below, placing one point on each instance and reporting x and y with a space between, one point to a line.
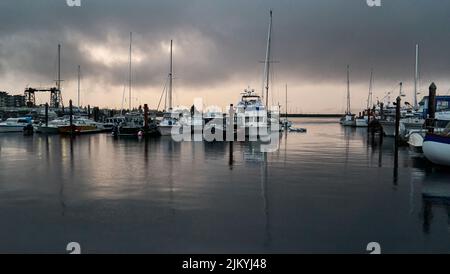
162 94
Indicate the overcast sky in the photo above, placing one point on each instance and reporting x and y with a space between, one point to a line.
219 45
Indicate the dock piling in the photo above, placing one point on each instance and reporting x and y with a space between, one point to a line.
397 122
71 117
146 116
431 108
46 114
230 126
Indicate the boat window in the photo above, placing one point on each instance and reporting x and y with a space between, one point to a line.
442 105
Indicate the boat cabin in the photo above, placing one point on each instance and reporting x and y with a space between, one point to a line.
442 104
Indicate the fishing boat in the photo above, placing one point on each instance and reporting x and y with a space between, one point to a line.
111 122
436 147
252 109
170 121
348 119
131 125
15 124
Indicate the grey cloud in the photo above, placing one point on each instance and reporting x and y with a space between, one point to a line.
313 39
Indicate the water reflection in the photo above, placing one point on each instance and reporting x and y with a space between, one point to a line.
156 195
436 196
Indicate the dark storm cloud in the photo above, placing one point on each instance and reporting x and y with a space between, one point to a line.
222 40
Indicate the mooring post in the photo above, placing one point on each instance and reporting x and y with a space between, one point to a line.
89 111
145 116
46 114
397 122
71 117
431 108
230 126
96 114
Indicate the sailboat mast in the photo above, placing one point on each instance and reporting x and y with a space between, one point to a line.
369 99
129 73
267 61
79 76
171 75
348 90
416 77
58 82
286 102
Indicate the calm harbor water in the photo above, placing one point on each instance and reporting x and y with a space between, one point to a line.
331 190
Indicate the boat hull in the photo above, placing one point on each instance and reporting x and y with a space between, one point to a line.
79 129
167 130
348 123
388 128
436 149
361 123
415 141
11 129
47 130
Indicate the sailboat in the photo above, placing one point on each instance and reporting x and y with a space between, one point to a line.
170 119
363 120
348 119
133 123
436 147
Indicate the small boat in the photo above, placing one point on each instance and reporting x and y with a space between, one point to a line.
53 126
170 118
15 124
415 141
436 147
296 129
81 125
286 124
134 125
